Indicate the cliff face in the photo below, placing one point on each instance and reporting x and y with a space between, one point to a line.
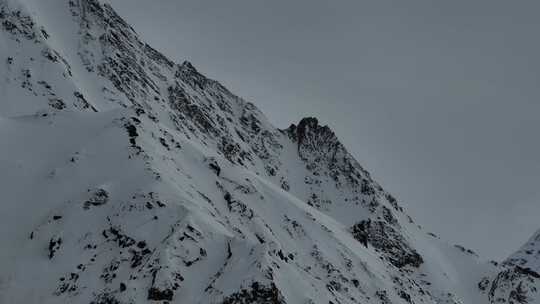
129 178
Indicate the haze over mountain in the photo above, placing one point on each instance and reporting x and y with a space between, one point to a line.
129 178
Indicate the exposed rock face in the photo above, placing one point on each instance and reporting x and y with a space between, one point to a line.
256 294
388 241
155 294
512 285
139 179
319 147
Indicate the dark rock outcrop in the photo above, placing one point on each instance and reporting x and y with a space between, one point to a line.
256 294
386 239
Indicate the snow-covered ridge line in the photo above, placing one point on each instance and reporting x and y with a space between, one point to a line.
528 256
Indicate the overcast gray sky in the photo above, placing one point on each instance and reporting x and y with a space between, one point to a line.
438 99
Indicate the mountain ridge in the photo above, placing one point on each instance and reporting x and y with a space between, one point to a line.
143 180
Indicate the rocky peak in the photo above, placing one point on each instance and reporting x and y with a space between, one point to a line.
315 139
188 67
321 149
308 133
189 74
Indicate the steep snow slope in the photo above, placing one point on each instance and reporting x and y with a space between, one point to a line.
518 281
528 256
128 178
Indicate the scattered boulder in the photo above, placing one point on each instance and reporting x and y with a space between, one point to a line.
213 165
54 246
98 197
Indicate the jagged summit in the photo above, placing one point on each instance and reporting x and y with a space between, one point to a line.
188 66
309 133
140 180
310 137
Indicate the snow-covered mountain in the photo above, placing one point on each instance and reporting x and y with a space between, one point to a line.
528 256
129 178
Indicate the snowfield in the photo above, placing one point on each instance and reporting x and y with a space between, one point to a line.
128 178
